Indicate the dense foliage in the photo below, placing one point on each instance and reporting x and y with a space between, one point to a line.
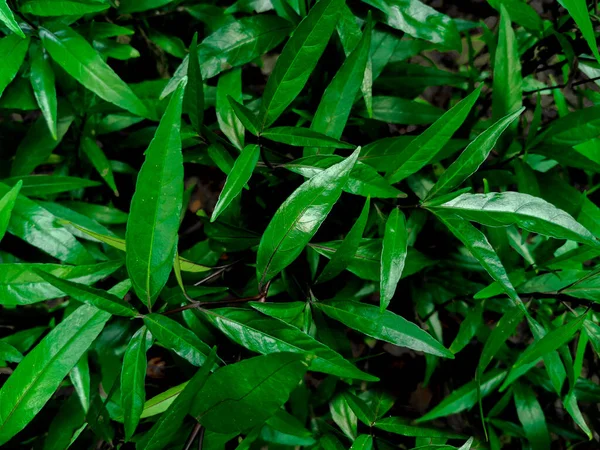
299 223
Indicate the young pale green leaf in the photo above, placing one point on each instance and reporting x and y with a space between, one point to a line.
41 76
402 111
531 417
42 371
465 397
507 80
428 144
93 296
177 338
298 59
472 157
230 85
343 256
156 206
100 162
363 180
238 177
299 217
551 341
480 248
246 117
13 49
193 102
579 12
7 203
133 376
512 208
303 137
385 326
404 427
336 103
265 335
7 18
49 8
165 429
79 59
43 185
393 256
245 394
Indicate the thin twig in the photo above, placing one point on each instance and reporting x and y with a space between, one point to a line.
197 429
560 86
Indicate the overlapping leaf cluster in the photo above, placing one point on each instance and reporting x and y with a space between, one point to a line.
289 223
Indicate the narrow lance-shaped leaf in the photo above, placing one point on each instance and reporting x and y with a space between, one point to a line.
99 161
532 417
502 331
238 177
299 217
385 326
472 157
298 59
13 50
133 376
50 8
428 144
336 103
41 76
342 257
393 256
156 206
79 59
303 137
194 90
579 12
43 185
246 117
7 203
230 85
512 208
7 18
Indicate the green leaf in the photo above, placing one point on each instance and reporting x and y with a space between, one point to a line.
131 6
156 206
86 294
343 256
465 397
360 408
551 341
41 76
163 431
265 335
177 338
336 103
7 203
246 117
303 137
230 85
502 331
13 49
521 13
299 217
48 8
393 256
363 179
404 427
402 111
74 54
133 376
238 177
428 144
579 12
532 417
472 157
245 394
193 102
362 442
43 185
7 18
41 372
512 208
99 161
9 354
385 326
298 59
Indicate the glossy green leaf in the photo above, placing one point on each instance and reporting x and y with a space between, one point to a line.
402 111
299 217
177 338
193 102
362 442
100 162
7 18
133 375
238 177
532 417
77 57
156 206
404 427
13 48
7 203
298 59
385 326
245 394
343 256
47 8
245 116
579 12
428 144
230 85
500 334
265 335
93 296
472 157
393 256
42 81
513 208
43 185
303 137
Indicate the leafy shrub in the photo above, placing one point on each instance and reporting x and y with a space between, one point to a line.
309 224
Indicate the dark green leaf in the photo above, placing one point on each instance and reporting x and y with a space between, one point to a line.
393 256
531 416
303 137
7 203
194 90
42 82
13 48
62 7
